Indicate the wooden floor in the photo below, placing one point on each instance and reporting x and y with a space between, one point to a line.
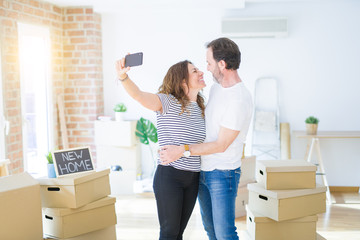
137 219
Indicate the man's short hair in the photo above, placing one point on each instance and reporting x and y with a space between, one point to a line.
227 50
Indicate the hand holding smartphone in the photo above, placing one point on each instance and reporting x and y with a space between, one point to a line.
134 59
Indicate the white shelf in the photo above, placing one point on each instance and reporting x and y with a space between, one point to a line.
115 133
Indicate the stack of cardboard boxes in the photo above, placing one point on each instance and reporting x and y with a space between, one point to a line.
285 200
78 207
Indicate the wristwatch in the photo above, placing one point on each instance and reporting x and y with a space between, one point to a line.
187 152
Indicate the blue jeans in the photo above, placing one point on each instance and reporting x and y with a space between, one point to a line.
217 194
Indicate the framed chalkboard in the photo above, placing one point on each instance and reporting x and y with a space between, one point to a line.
72 161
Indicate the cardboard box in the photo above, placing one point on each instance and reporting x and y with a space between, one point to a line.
241 201
283 205
262 228
20 208
248 169
74 191
285 174
108 233
246 236
70 222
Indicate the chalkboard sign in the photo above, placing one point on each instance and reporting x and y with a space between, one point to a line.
70 161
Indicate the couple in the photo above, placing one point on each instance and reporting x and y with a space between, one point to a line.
181 120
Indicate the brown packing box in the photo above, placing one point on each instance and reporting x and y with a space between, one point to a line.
67 222
262 228
75 190
283 205
20 208
108 233
285 174
246 236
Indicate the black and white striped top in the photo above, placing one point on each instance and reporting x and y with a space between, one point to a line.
179 129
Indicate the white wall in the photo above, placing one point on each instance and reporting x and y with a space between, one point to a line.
317 65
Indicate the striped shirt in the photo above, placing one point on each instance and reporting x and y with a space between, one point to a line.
179 129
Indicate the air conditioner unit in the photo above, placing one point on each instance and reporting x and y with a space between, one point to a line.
254 27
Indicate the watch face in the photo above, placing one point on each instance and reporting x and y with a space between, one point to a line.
187 154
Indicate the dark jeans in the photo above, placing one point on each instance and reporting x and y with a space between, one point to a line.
175 192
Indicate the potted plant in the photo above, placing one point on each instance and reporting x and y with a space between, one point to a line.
50 166
119 110
147 132
311 125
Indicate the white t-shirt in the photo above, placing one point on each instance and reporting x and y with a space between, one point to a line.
230 108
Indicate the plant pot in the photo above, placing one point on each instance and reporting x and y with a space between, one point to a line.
311 129
119 116
51 170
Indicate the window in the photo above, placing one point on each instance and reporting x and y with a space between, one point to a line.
35 85
2 120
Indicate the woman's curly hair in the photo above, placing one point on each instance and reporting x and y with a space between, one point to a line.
172 84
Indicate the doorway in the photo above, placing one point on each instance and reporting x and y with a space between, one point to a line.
34 52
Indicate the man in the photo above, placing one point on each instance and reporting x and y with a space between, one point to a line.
227 116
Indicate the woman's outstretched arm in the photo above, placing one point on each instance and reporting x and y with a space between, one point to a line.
149 100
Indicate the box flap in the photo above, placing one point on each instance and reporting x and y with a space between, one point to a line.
279 194
67 211
257 217
285 165
16 181
73 179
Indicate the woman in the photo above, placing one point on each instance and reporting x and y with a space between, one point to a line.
179 108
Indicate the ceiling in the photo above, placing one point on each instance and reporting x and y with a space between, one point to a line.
115 5
104 5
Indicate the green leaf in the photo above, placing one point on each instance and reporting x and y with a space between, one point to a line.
120 107
49 157
312 120
146 131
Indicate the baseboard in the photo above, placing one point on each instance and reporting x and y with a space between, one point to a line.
343 189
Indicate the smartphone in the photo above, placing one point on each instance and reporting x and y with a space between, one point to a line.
134 59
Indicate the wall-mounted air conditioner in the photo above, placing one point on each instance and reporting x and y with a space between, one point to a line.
254 27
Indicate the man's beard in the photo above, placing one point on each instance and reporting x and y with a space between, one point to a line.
219 77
